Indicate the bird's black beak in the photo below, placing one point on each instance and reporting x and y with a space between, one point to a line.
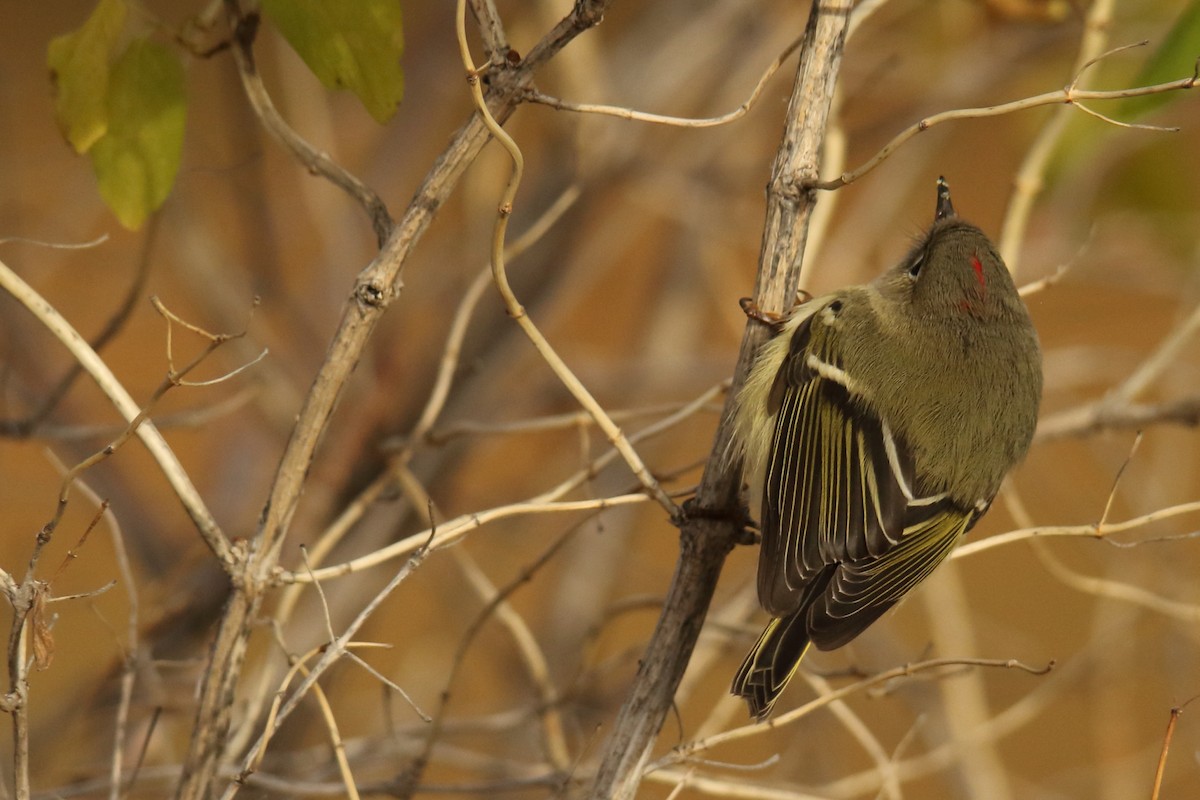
945 209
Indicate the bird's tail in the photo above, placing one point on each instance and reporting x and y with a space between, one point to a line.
771 663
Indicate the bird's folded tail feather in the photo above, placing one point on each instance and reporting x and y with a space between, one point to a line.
771 663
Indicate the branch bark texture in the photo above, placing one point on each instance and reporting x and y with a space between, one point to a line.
375 287
707 537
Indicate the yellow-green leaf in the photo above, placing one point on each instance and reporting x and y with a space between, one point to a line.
137 159
1175 58
348 44
79 64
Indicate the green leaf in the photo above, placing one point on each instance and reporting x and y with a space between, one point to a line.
79 64
1175 58
137 159
348 44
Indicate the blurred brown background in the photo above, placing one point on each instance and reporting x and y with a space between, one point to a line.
637 286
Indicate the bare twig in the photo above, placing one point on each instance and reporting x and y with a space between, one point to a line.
16 701
1103 415
188 418
491 31
1068 96
686 752
30 629
272 722
861 12
1115 590
31 423
175 377
547 502
854 724
1011 719
316 162
964 703
454 529
551 422
1117 409
466 308
1033 287
130 647
516 310
496 603
535 96
735 788
99 240
329 654
1161 767
375 287
1089 531
438 394
1027 184
168 464
553 733
708 536
1112 493
335 738
1158 361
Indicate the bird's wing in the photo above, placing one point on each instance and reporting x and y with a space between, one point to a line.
860 590
841 507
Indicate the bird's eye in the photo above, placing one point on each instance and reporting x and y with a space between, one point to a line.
914 269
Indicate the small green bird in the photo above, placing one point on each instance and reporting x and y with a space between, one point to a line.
875 430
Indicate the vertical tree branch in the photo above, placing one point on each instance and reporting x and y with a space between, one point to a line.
376 286
711 531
